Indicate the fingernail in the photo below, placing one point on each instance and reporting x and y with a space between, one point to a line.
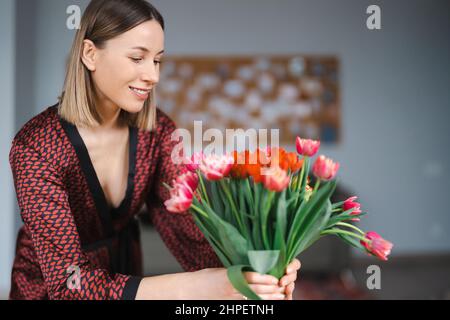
279 296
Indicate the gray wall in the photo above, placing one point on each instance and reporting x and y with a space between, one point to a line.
395 97
7 52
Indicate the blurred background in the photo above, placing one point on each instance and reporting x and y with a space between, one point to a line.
391 111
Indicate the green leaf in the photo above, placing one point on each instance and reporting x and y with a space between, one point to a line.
313 230
234 243
279 243
216 199
309 214
263 260
214 243
307 209
228 215
281 214
248 195
256 232
237 279
233 189
299 215
264 215
245 216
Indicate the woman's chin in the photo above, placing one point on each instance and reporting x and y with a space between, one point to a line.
133 108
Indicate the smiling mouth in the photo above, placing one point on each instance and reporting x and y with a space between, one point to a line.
140 91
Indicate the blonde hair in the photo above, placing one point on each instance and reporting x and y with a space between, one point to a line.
102 21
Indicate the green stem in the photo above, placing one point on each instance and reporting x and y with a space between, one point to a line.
200 178
265 217
339 231
348 225
233 205
203 213
302 172
316 186
247 185
300 181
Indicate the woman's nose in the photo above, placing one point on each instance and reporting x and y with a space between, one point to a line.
150 75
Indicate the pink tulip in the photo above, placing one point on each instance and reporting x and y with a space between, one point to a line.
351 204
189 179
182 192
324 168
216 167
275 179
377 245
194 161
307 147
181 197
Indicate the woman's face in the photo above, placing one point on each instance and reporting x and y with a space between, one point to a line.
127 68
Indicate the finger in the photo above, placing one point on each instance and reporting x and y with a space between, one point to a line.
290 290
274 296
285 280
235 296
257 278
293 266
261 288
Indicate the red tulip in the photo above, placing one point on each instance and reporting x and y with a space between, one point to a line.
275 179
324 168
307 147
216 167
377 245
349 204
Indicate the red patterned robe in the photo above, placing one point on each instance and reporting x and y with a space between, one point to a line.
70 230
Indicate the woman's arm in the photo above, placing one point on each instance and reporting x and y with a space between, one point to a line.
206 284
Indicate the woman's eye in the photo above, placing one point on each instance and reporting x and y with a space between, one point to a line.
157 62
136 60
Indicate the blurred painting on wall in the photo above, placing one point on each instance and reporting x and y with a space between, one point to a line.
298 94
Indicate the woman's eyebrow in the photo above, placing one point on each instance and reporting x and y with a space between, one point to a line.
146 50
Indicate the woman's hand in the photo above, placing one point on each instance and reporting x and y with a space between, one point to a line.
265 286
288 280
213 283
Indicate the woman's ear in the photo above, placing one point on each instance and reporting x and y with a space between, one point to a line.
89 54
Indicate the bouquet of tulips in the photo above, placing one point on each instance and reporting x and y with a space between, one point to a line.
258 211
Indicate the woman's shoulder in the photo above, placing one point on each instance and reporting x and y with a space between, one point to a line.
164 123
38 125
40 131
162 119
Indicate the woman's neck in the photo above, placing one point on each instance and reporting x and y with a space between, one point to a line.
109 114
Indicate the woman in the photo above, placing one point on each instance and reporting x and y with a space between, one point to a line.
83 168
